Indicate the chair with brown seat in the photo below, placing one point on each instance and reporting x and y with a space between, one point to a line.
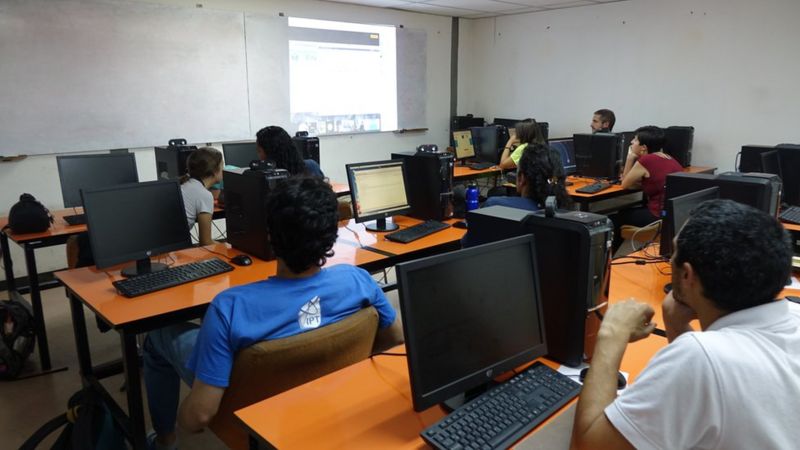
271 367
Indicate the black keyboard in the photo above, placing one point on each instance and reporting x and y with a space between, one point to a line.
791 215
480 165
172 276
415 232
77 219
593 188
502 415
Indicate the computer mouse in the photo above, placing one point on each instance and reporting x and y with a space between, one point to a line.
621 382
460 224
242 260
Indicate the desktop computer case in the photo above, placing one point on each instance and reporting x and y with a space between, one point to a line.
574 254
680 141
307 146
750 157
171 160
429 184
245 209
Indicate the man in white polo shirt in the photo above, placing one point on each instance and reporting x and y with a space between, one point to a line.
736 383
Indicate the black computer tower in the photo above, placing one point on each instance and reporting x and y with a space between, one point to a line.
789 157
597 155
171 160
573 251
679 144
307 146
430 184
750 157
246 194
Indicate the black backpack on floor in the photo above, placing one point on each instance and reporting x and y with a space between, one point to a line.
87 425
17 337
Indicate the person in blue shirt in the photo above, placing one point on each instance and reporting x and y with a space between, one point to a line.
302 223
539 174
274 144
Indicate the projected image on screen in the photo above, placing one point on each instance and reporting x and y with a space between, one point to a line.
342 76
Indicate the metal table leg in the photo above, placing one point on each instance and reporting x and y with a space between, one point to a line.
36 302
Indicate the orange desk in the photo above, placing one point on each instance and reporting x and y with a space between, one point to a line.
57 234
129 317
368 405
462 173
585 200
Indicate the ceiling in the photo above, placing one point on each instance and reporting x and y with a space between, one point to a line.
475 9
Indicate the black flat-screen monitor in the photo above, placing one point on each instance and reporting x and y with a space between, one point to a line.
487 146
626 137
464 146
92 172
239 154
677 210
133 222
464 328
378 191
760 191
597 155
566 149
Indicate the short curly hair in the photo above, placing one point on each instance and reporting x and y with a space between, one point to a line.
742 256
303 219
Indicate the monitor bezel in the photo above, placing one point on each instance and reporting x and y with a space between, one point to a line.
359 218
669 218
424 400
104 261
573 168
588 165
59 161
459 151
227 147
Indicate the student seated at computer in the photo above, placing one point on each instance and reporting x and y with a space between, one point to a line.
302 220
274 144
204 169
540 174
603 121
733 385
527 133
646 168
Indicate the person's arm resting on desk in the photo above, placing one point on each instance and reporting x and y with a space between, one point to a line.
633 173
624 322
506 162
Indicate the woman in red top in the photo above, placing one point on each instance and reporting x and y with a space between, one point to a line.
646 168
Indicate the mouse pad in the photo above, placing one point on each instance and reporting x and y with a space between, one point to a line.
555 435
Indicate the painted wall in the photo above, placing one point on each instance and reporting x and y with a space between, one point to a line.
727 67
38 175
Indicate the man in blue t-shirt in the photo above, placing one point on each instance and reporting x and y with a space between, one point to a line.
302 221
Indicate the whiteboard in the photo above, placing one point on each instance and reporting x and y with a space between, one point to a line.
88 75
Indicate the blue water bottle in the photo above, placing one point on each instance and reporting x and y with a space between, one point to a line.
472 197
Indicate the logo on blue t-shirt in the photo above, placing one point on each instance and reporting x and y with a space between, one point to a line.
310 314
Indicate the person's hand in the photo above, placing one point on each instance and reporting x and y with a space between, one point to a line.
677 315
629 320
512 141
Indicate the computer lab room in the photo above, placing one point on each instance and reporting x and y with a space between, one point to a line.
399 224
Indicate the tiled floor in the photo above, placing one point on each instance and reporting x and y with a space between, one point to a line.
27 404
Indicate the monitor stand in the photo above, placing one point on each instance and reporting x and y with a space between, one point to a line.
458 400
142 267
381 226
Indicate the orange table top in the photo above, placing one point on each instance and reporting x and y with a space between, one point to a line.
356 232
94 287
615 189
464 172
340 188
368 405
58 228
